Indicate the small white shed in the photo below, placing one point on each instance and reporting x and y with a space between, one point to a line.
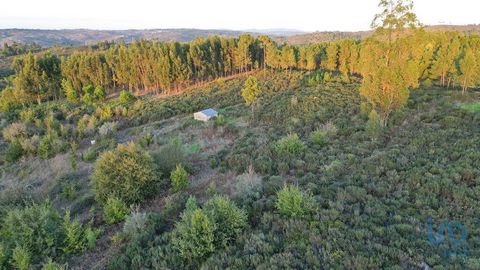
205 115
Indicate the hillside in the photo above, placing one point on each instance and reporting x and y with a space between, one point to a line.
317 37
48 38
368 199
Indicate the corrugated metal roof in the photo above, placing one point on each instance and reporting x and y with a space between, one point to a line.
209 112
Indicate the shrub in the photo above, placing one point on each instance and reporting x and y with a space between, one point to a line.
107 128
51 265
88 89
135 224
49 145
104 113
318 137
229 220
289 146
373 124
114 210
36 226
30 145
220 120
248 183
179 178
168 156
14 131
126 173
70 93
263 165
291 202
87 98
146 140
174 204
193 236
21 258
77 236
99 93
14 152
126 97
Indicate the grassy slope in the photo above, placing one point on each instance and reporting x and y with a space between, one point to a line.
374 197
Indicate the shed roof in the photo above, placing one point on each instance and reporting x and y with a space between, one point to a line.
209 112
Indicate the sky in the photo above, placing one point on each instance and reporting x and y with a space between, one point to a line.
305 15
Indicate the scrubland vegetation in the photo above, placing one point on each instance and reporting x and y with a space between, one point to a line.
328 156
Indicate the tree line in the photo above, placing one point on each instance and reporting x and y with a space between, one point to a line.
157 67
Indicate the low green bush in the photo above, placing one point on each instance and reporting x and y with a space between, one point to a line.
168 156
290 146
14 152
179 179
126 97
126 173
114 210
291 202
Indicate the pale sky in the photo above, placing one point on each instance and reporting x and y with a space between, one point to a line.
306 15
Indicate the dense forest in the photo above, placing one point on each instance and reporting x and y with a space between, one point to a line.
352 154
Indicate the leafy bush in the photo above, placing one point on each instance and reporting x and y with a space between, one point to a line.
318 137
179 178
99 93
168 156
228 219
21 258
126 172
135 224
107 128
126 97
193 237
14 152
46 147
51 265
289 146
37 226
14 131
78 237
291 202
114 210
373 124
220 120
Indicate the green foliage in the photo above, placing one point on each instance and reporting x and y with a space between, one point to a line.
21 258
291 202
14 152
126 97
290 146
373 125
31 234
251 91
168 156
48 146
51 265
70 93
193 236
220 120
114 210
99 93
37 226
319 137
229 220
472 107
77 236
179 179
126 172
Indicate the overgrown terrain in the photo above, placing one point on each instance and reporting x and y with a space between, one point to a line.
339 155
364 196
